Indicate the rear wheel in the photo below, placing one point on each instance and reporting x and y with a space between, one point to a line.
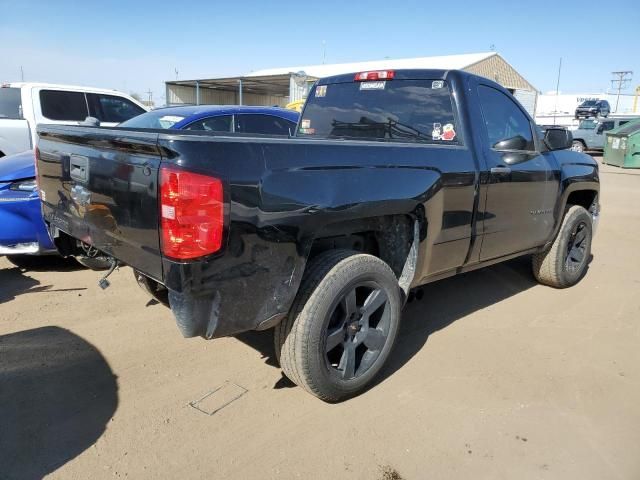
564 263
342 326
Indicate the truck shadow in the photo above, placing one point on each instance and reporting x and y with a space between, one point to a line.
14 281
57 392
442 303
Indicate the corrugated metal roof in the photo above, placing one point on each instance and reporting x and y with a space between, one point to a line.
444 62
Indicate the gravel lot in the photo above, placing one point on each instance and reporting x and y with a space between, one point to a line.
493 377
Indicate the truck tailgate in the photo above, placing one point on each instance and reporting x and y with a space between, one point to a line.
100 185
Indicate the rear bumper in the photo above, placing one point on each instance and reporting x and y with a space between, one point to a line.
22 229
247 288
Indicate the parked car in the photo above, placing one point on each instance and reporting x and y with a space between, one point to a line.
23 230
25 105
593 108
590 133
394 179
220 119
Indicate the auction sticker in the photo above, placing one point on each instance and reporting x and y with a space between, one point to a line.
321 91
372 85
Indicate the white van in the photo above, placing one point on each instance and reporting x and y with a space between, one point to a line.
24 105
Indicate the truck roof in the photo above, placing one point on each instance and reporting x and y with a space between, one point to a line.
60 86
410 74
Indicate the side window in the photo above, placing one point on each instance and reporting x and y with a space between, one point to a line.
221 123
61 105
263 124
504 119
111 108
622 122
607 126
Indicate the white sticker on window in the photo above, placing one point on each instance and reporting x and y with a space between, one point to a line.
372 85
321 91
305 123
437 84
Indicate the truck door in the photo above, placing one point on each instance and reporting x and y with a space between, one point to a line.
522 182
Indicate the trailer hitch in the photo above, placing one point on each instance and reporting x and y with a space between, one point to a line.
114 265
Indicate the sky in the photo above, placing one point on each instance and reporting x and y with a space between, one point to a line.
136 45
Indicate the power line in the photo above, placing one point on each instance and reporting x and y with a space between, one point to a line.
619 82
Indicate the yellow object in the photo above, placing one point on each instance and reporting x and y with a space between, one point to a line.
297 105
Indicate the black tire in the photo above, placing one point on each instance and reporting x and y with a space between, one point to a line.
26 262
153 288
94 263
342 325
565 262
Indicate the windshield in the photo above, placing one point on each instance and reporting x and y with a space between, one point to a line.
587 124
588 103
10 103
156 119
395 110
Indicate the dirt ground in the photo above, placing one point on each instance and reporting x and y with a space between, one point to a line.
493 377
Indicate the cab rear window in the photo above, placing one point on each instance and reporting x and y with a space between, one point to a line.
392 110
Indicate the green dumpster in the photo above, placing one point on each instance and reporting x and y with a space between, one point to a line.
622 147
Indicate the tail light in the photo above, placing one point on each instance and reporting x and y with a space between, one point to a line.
376 75
191 214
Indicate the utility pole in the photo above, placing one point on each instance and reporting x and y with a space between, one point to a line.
555 109
21 74
150 93
619 82
176 70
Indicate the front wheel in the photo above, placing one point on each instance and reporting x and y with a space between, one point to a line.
342 326
565 262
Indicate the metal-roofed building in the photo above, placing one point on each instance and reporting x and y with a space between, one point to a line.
279 86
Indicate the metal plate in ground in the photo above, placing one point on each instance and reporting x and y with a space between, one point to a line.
220 397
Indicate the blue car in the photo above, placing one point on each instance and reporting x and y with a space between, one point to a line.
22 230
219 119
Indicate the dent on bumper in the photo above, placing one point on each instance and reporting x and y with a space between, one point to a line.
195 316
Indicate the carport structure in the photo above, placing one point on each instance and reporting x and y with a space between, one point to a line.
279 86
267 90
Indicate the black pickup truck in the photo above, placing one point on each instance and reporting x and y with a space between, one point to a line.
393 179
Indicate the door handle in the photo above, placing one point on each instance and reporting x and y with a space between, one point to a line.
500 170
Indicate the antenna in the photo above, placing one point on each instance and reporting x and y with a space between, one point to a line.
324 52
619 81
555 108
176 70
21 74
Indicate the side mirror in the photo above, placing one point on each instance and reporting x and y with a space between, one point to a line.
514 143
600 129
90 122
558 138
